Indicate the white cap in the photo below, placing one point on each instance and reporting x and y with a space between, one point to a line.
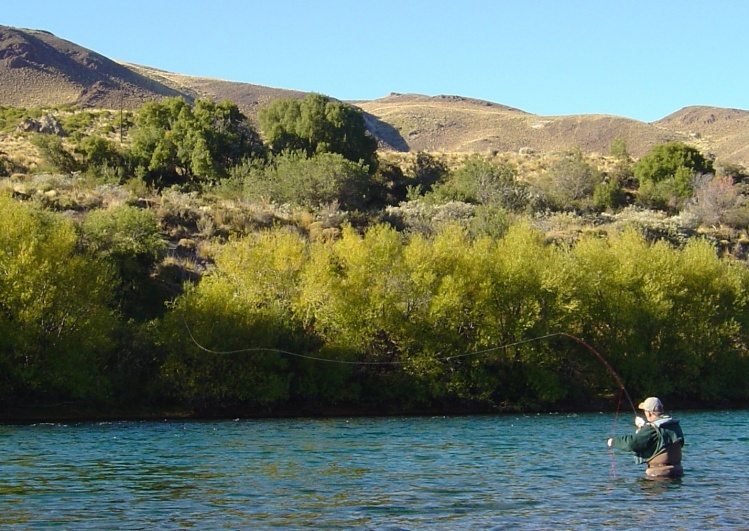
651 404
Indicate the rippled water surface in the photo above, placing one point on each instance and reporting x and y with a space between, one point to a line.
503 472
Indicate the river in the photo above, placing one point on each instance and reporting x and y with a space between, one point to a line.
548 471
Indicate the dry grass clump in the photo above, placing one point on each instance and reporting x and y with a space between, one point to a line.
60 192
567 227
426 218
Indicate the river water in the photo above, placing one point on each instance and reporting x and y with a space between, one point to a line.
550 471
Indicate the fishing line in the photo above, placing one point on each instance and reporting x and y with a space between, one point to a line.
349 362
612 372
612 457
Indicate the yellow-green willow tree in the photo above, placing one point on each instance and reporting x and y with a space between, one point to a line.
672 320
396 322
56 324
243 305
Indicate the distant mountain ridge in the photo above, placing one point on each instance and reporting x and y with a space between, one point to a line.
39 69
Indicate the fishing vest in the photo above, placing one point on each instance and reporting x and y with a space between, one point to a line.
667 461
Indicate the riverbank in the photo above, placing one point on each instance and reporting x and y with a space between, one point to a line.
70 412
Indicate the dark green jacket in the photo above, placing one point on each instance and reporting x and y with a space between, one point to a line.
652 439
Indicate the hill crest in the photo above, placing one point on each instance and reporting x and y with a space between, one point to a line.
38 69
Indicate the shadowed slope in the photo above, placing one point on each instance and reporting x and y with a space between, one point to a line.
39 69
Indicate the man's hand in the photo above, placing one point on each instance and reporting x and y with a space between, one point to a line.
639 422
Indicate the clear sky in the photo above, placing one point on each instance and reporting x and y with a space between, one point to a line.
641 59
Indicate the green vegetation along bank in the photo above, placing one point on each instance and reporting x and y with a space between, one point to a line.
201 268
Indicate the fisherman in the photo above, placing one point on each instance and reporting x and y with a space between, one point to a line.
657 441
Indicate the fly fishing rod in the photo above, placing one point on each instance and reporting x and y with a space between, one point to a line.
605 364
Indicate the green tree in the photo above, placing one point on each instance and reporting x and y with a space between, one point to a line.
389 185
609 194
318 124
665 317
98 152
56 322
426 171
675 162
130 238
244 304
181 144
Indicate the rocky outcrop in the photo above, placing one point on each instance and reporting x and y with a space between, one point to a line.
47 124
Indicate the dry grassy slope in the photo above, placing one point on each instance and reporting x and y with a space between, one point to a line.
248 97
39 69
724 132
455 124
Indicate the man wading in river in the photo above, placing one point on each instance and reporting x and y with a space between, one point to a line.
657 441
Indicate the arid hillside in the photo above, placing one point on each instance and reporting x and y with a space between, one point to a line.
457 124
38 69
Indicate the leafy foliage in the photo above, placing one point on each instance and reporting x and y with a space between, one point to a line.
246 304
426 171
56 325
181 144
97 152
664 316
130 239
54 153
488 183
456 305
673 162
402 306
310 181
316 125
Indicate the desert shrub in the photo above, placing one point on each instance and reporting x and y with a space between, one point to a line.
737 172
295 178
484 182
490 220
569 182
655 225
424 217
77 123
619 150
717 200
54 153
8 166
10 117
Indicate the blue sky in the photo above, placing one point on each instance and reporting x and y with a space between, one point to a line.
642 59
